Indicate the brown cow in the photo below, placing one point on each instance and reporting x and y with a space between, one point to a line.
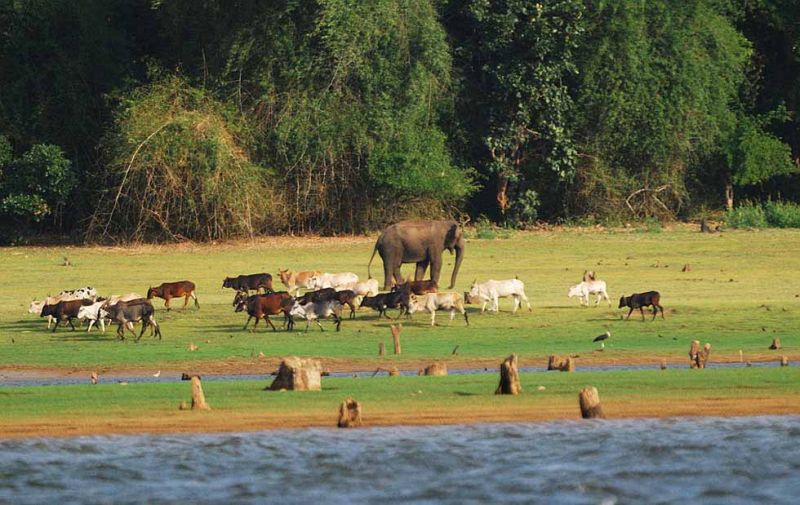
296 280
417 287
263 306
65 309
169 290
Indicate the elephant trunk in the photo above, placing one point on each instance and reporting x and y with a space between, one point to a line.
459 257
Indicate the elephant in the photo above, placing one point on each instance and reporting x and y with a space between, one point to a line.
421 242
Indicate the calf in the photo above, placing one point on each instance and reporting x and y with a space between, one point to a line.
247 282
417 287
439 301
491 291
92 314
263 306
125 314
392 300
169 290
64 310
345 297
586 288
37 306
640 300
314 311
327 280
296 280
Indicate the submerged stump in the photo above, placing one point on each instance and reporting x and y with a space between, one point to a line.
437 368
349 414
589 400
298 374
776 344
784 361
564 364
93 378
697 356
198 398
509 377
663 364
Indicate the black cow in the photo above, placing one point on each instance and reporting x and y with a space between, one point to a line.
65 309
393 300
640 300
345 297
249 282
133 311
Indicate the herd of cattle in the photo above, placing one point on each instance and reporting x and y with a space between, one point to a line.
326 296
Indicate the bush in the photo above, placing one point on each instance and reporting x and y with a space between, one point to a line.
782 214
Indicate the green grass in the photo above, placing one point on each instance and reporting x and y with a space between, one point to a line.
739 294
404 394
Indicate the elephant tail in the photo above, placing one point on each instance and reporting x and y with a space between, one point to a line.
369 274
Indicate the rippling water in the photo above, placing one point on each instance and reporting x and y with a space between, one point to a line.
708 460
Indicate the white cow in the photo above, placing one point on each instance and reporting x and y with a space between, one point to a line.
313 311
438 301
327 280
491 291
87 293
96 315
586 288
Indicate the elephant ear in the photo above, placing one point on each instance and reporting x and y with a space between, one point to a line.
451 237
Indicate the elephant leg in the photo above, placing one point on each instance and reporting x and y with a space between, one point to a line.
398 276
436 267
422 266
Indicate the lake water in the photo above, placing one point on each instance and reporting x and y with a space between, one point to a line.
697 460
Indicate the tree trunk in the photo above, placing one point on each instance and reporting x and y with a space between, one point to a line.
589 400
509 377
198 398
396 329
729 195
349 414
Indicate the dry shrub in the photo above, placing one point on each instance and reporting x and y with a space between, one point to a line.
179 169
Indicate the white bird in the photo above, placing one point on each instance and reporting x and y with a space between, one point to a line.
157 374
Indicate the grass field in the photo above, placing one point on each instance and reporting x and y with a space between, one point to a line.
243 405
737 295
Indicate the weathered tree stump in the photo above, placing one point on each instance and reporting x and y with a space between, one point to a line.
455 350
663 364
776 344
686 268
298 374
349 414
394 372
183 405
381 349
784 361
437 368
564 364
198 398
697 356
509 377
94 378
589 400
396 329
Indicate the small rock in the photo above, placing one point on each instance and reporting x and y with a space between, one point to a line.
541 388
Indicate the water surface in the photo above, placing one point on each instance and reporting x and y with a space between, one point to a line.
708 460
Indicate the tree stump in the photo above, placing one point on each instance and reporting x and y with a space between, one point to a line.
589 400
394 372
298 374
94 378
436 368
349 414
198 398
663 364
564 364
776 344
686 268
184 405
396 329
697 356
381 349
784 361
509 377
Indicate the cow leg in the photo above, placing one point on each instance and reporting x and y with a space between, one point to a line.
516 303
433 318
383 311
464 311
91 323
629 314
248 322
452 314
338 321
662 311
166 303
120 332
253 329
483 309
352 310
69 320
525 299
58 320
641 311
270 323
319 324
186 300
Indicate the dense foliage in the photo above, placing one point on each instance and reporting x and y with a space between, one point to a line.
170 119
